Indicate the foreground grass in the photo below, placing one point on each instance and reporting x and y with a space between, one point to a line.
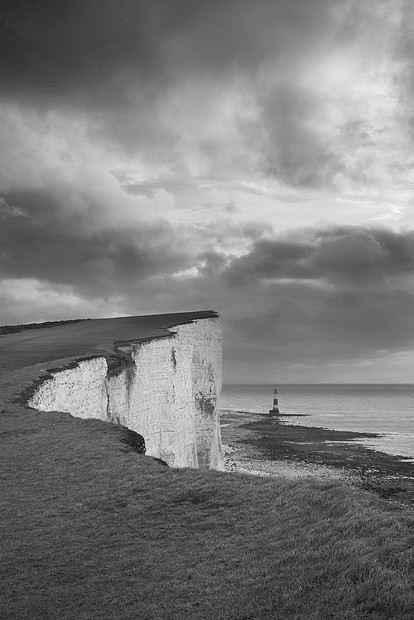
91 529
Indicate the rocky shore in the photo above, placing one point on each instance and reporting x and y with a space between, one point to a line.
264 446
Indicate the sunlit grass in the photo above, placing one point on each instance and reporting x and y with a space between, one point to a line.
93 530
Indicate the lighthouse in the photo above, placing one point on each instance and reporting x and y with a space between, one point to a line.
275 410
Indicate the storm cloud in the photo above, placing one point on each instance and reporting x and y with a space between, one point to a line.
335 255
202 85
68 250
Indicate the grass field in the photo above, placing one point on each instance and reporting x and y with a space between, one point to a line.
90 529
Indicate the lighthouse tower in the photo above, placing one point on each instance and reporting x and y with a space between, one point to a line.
275 410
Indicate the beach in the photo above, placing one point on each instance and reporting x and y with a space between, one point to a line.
258 444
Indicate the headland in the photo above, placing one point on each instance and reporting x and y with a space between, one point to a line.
158 376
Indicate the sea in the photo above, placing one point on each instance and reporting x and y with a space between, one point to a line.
384 409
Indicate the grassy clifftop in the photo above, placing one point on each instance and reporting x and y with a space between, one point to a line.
91 530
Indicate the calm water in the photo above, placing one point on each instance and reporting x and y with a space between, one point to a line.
385 409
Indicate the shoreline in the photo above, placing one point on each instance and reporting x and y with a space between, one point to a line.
258 444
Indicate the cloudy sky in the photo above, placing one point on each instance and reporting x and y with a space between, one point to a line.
254 157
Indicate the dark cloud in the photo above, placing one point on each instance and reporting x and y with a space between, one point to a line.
46 238
318 296
350 309
40 240
296 150
321 296
359 256
50 49
46 46
146 73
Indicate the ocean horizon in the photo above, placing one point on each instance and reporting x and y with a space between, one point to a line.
385 409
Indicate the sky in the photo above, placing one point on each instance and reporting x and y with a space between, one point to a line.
253 157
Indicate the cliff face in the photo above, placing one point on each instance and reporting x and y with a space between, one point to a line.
165 389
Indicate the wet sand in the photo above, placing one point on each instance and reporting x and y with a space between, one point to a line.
266 446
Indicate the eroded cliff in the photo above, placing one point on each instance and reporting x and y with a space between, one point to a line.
164 388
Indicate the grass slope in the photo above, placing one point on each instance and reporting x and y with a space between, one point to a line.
14 329
90 529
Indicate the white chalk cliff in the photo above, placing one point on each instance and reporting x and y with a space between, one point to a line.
164 388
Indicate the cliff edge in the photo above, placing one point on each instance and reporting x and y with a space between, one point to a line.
158 375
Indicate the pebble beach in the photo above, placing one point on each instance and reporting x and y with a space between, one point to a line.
259 445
